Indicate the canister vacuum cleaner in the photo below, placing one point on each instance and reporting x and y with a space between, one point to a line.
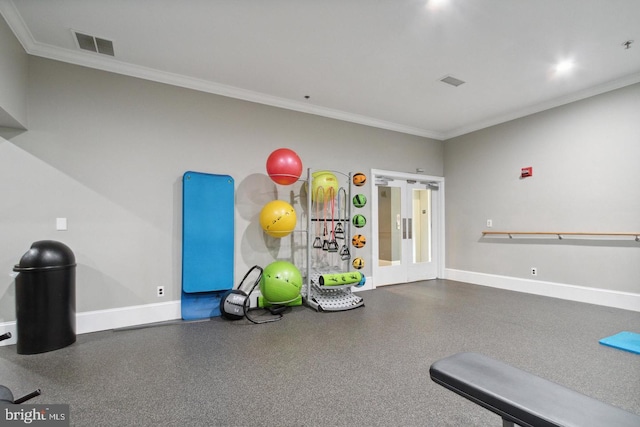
234 304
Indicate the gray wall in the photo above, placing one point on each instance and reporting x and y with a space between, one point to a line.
13 80
108 152
585 178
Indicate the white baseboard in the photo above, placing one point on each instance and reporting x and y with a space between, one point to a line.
115 318
102 320
605 297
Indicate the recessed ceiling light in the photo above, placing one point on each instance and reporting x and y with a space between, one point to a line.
563 67
436 4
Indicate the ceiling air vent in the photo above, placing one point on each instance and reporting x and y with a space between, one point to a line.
451 81
94 44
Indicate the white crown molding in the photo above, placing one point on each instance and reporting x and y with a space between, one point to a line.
558 102
96 61
114 66
16 23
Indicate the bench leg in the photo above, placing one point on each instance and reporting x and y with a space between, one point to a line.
507 423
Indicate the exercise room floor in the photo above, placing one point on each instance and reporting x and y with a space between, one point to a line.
364 367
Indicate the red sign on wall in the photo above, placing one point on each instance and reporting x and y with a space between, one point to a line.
525 172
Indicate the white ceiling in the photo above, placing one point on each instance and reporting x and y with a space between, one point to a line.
376 62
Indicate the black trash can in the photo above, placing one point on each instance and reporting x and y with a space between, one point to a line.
46 298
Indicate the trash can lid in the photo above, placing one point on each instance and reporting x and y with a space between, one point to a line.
46 254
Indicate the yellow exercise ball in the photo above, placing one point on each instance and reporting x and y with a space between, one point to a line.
329 184
278 218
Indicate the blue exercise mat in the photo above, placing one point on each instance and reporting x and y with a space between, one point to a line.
627 341
207 243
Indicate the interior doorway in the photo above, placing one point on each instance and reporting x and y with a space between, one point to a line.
408 223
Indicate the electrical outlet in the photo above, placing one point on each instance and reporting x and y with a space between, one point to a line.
160 291
489 223
534 271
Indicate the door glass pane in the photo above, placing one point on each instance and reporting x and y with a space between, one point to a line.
421 230
389 226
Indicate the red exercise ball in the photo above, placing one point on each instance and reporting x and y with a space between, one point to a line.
284 166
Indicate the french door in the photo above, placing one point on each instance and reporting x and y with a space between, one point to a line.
407 229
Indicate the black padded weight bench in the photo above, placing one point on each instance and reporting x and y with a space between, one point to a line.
522 398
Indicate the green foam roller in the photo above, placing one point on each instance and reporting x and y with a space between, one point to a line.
340 279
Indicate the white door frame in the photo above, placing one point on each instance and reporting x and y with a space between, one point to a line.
437 199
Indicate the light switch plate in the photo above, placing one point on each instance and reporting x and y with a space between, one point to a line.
61 224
